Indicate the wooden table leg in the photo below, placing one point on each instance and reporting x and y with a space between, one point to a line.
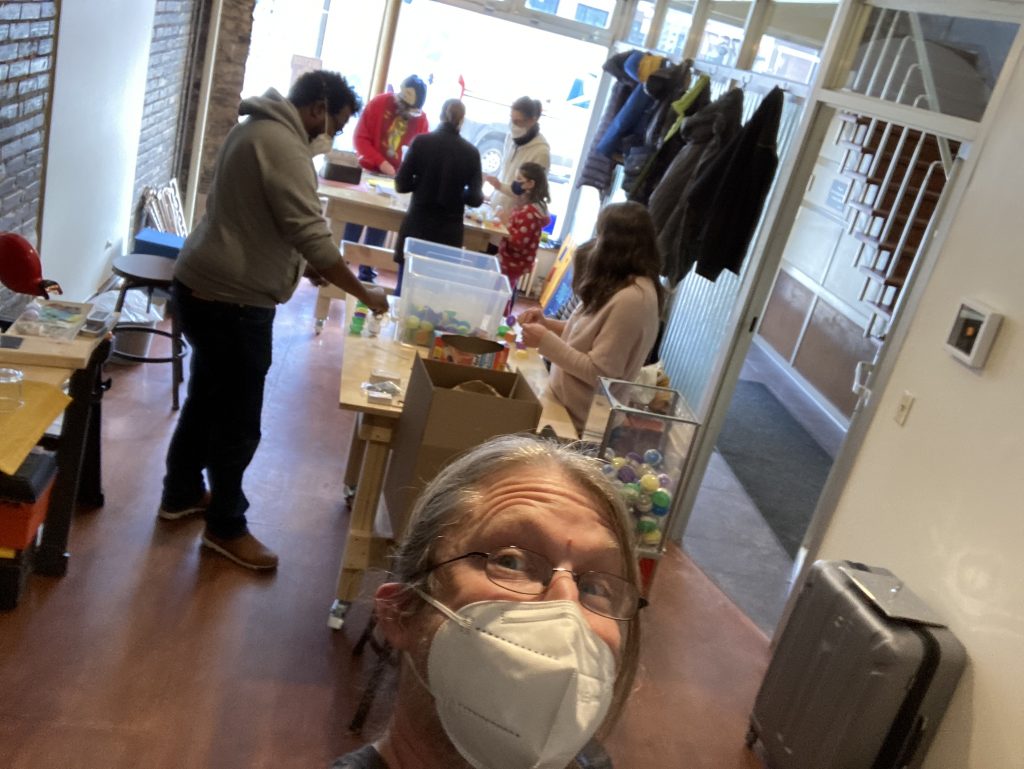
362 549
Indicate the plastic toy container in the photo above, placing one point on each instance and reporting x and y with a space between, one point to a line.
646 436
452 254
452 294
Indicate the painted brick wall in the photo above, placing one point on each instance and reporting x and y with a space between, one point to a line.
170 59
232 51
27 44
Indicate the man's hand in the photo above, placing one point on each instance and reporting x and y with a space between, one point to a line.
492 180
387 169
376 299
533 333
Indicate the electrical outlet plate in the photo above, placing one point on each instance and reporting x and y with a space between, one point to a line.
903 408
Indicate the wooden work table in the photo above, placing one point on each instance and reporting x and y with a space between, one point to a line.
366 547
49 364
374 203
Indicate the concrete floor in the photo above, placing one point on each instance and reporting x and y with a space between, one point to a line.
726 535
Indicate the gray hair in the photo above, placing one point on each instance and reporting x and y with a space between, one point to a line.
450 497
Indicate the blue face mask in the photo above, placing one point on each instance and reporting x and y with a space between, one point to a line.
517 188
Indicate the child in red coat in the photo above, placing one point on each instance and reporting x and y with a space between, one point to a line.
524 222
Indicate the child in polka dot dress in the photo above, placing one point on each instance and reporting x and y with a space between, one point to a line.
524 222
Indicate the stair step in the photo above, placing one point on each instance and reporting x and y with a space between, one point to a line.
880 276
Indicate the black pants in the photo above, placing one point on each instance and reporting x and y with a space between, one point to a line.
219 426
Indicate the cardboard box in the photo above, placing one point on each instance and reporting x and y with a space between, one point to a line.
439 423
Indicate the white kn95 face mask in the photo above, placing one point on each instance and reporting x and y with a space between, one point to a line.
324 143
518 684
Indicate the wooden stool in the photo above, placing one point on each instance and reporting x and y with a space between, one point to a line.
150 272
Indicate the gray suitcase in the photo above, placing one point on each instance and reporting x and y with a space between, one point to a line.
860 678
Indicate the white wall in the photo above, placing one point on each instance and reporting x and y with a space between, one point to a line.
98 95
941 500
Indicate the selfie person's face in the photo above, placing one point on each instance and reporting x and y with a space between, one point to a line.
538 510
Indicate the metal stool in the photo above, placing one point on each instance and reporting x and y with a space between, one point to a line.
150 272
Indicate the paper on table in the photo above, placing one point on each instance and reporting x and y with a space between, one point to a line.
23 427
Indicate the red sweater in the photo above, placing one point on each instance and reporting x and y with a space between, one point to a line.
377 136
518 251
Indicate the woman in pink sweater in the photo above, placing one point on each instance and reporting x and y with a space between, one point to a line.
611 332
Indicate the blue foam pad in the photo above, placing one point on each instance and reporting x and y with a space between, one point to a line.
150 241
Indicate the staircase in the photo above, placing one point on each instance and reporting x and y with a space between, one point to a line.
896 176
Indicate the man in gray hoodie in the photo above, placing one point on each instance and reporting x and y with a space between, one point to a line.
262 230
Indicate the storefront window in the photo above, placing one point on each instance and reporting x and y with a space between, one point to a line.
489 63
291 36
641 23
593 13
939 63
678 19
720 43
786 60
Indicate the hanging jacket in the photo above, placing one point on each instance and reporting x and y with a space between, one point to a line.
631 120
597 169
703 135
729 195
649 170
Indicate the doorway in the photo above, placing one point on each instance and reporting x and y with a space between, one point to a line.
851 235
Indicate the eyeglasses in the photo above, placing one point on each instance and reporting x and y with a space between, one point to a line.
529 573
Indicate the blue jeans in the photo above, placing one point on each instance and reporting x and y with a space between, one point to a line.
374 237
219 426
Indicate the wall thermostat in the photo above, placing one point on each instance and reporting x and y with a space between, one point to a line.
974 330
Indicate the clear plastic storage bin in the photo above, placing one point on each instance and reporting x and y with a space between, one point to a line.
453 254
646 436
449 294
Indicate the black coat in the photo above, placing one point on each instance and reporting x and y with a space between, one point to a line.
703 137
442 171
730 192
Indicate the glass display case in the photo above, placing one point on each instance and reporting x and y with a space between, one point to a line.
645 435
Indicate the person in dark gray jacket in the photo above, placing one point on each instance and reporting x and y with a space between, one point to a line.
262 229
442 171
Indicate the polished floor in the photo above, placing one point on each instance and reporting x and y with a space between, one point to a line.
152 653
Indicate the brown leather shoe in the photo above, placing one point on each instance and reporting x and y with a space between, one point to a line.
174 513
245 550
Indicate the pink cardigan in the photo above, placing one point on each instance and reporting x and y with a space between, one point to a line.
613 341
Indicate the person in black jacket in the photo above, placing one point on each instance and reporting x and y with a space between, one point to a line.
442 171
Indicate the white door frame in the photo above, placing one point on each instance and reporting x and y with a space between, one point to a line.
795 172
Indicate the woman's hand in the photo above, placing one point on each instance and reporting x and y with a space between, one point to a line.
387 169
533 333
531 315
492 180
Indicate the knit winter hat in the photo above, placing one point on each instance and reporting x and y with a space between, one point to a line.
413 91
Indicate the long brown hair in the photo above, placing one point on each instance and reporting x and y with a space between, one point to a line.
624 249
535 173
